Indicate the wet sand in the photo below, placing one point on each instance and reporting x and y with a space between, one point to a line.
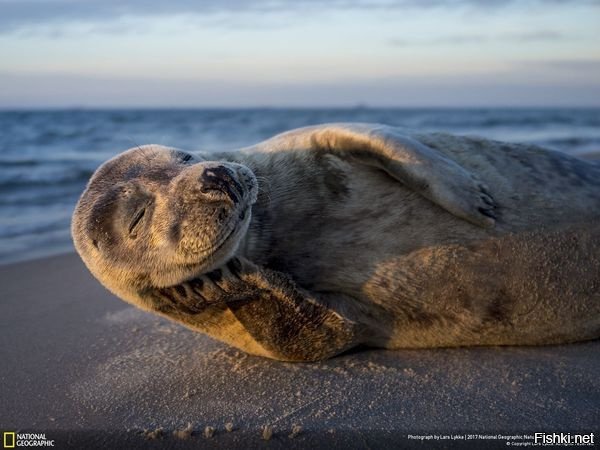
89 370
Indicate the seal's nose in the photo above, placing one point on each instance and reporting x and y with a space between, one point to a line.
221 179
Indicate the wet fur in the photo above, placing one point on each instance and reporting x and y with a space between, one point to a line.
339 253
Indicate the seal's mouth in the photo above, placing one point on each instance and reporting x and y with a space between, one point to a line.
235 224
231 234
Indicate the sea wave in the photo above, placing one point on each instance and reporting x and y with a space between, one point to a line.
14 179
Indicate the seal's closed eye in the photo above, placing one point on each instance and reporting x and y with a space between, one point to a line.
137 218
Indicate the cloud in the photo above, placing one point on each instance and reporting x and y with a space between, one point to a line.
533 36
18 14
564 65
460 39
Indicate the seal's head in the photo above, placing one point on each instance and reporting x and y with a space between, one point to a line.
155 216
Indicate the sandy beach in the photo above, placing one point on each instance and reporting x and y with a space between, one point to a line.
87 369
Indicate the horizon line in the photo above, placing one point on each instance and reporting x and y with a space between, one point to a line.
280 107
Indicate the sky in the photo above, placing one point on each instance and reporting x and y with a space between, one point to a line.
302 53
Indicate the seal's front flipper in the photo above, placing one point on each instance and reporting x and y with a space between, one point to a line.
259 311
419 167
289 322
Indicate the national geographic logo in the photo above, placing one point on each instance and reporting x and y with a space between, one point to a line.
9 439
12 439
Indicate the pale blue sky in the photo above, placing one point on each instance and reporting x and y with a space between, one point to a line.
184 53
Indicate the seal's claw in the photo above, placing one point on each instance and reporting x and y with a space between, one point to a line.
487 212
488 200
468 198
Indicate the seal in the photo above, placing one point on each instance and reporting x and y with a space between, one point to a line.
333 236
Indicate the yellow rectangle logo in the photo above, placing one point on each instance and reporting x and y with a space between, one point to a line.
9 439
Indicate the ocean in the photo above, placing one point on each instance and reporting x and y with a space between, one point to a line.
46 157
